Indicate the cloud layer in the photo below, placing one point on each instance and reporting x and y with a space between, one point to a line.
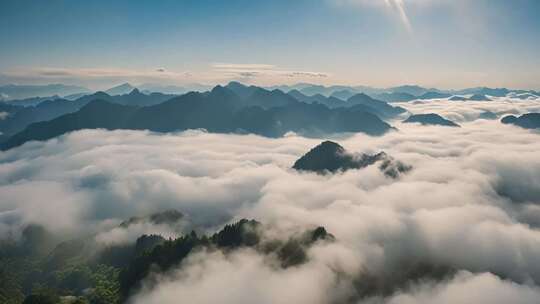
470 205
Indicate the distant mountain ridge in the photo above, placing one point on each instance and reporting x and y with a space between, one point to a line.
430 119
526 121
13 91
21 117
399 93
121 89
272 114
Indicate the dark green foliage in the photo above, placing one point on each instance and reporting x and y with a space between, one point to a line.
243 233
293 252
166 217
147 242
36 241
41 299
66 253
172 252
161 258
116 256
110 275
106 287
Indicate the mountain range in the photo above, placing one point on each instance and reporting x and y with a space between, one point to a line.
393 94
19 117
234 108
430 119
12 91
262 112
400 93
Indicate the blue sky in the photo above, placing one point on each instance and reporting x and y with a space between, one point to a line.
442 43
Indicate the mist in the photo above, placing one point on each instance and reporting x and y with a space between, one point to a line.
470 205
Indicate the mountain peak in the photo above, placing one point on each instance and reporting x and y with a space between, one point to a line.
121 89
236 84
330 146
430 119
327 156
135 91
330 157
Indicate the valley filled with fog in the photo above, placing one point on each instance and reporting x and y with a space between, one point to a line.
270 152
464 217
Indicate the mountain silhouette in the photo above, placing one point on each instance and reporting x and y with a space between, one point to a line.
96 114
219 110
124 88
434 95
497 92
12 91
527 121
331 102
241 90
170 217
21 117
44 111
458 98
525 96
382 109
479 97
32 101
330 157
430 119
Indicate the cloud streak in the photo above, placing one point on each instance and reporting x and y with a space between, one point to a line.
264 71
399 7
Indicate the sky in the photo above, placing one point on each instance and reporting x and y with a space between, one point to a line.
434 43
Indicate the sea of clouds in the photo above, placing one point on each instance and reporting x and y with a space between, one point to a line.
471 203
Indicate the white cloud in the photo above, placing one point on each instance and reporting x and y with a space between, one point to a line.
468 288
462 206
100 77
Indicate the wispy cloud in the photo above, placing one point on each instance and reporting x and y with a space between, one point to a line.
53 72
243 66
269 71
97 77
215 73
